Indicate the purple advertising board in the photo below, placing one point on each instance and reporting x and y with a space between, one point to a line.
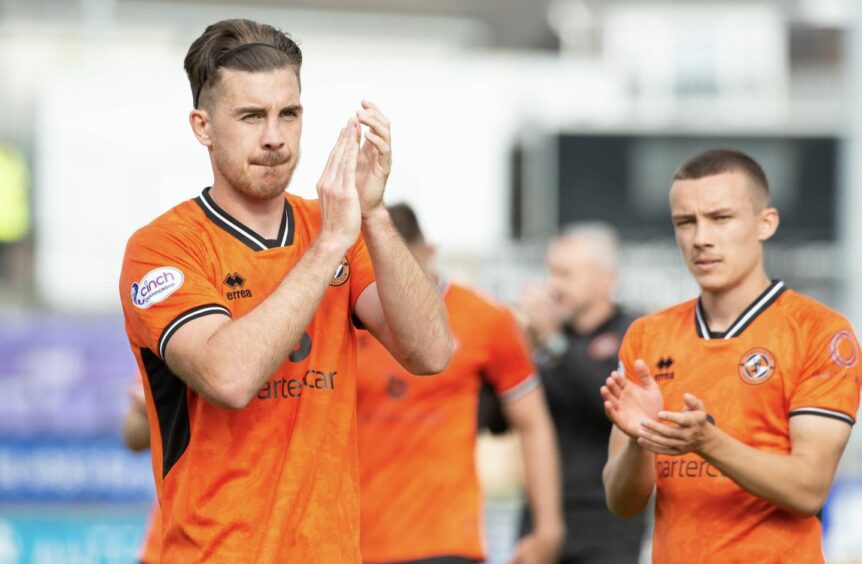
64 392
65 376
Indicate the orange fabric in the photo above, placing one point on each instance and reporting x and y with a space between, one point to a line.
151 550
276 481
784 362
420 493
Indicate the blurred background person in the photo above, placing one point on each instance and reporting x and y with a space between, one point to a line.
576 328
420 496
136 435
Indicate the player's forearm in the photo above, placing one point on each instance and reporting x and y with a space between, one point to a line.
793 482
629 478
412 305
542 474
239 358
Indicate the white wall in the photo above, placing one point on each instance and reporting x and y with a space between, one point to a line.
114 149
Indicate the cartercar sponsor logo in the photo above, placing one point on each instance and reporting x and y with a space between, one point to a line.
292 387
684 467
156 286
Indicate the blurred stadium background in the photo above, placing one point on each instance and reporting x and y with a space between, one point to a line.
510 119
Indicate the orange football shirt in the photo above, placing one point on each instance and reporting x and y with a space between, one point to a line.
277 481
420 492
151 548
786 355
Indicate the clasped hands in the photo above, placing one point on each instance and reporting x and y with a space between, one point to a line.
351 186
636 408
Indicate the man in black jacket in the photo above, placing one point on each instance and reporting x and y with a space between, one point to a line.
576 328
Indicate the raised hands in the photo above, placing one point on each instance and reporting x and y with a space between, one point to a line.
636 408
375 158
628 404
677 432
353 180
341 217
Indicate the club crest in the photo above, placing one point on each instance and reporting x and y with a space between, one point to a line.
342 273
756 366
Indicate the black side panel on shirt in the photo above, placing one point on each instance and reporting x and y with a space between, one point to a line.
170 394
491 415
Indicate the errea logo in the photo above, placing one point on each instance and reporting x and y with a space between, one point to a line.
236 282
155 286
664 365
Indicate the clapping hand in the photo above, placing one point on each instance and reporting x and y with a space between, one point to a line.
374 162
628 404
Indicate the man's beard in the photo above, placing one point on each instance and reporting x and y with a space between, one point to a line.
259 189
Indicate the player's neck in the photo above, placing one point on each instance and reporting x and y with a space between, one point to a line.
262 216
593 317
723 307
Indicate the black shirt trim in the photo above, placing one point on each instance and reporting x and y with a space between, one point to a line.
746 318
184 318
245 234
821 412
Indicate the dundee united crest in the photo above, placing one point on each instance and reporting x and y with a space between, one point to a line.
341 274
756 366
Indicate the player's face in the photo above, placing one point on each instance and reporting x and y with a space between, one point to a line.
255 127
720 229
577 280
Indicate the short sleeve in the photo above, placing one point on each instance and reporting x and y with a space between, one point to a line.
509 369
629 350
830 381
361 270
163 285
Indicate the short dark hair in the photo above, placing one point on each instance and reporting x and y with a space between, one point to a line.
720 161
405 221
243 45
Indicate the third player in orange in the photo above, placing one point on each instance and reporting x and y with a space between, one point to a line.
420 496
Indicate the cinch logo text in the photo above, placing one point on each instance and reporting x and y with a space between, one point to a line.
156 285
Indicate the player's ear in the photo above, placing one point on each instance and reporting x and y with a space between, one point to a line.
200 121
768 224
